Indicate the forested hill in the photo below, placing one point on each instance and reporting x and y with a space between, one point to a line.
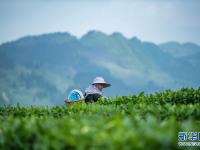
42 69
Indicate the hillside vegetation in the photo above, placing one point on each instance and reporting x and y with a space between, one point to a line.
40 70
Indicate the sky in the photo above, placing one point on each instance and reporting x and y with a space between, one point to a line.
150 20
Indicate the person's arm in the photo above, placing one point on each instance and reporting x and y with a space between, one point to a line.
96 97
92 97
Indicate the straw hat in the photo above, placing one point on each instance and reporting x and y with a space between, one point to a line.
102 81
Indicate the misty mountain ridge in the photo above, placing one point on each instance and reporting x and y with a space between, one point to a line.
43 69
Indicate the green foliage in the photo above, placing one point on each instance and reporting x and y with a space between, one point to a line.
125 122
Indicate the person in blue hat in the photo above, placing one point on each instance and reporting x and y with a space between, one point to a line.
94 91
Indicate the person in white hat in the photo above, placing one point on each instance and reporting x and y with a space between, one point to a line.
94 91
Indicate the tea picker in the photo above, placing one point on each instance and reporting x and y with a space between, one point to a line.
92 93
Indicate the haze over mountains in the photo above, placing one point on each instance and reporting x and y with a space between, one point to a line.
43 69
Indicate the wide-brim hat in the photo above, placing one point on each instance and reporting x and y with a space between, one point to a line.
101 81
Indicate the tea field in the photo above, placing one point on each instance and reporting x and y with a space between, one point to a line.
143 121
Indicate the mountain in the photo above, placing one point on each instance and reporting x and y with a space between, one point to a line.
41 70
187 51
180 50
